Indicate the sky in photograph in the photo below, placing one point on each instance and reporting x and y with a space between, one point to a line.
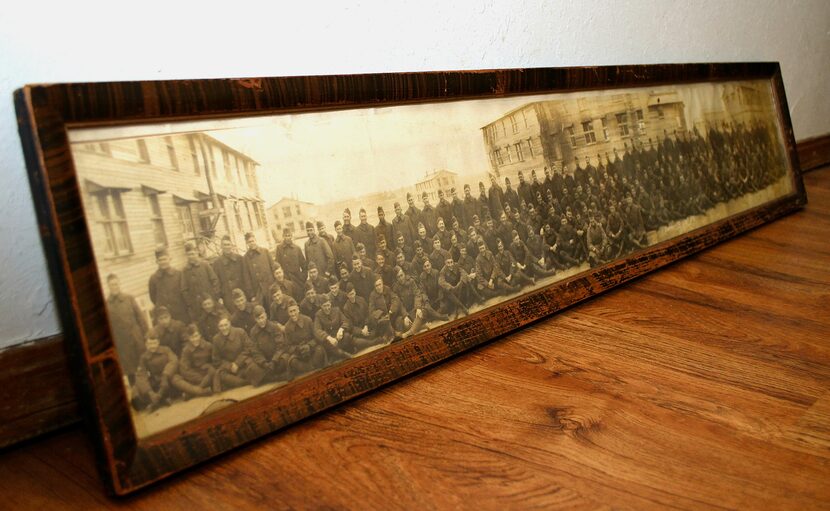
328 156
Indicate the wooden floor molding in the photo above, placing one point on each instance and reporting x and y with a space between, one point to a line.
36 395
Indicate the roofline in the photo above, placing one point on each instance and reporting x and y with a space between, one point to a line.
511 112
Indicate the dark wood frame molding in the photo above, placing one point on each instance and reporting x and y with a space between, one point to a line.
128 463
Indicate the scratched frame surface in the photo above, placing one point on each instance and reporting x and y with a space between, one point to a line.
45 112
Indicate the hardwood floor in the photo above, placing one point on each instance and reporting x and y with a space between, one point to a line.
703 385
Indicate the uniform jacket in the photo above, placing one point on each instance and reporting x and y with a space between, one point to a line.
292 260
196 362
357 314
232 273
228 349
129 327
343 249
165 289
318 251
198 279
261 270
328 324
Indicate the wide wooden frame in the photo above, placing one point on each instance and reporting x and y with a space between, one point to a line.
45 112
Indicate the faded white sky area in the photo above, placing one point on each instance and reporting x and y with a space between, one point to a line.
326 156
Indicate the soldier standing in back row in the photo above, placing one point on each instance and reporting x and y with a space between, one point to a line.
129 326
260 268
231 271
198 279
291 258
165 288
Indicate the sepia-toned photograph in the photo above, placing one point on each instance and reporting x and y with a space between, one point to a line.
239 255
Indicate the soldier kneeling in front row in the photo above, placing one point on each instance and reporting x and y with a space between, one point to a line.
156 367
195 376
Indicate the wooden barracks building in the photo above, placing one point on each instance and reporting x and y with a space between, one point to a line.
144 193
551 133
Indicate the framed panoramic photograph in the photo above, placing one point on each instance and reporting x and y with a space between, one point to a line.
232 256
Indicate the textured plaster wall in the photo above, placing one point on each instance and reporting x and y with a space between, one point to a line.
100 41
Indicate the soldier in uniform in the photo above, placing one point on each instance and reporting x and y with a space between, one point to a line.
322 234
171 332
402 227
459 294
365 234
443 209
385 312
129 326
416 307
195 374
457 208
418 260
343 247
260 268
280 302
335 294
299 332
384 269
382 249
438 254
431 287
268 348
209 316
232 273
495 197
234 365
156 367
413 214
598 245
515 276
356 311
291 258
384 230
289 287
312 301
471 208
348 228
442 234
490 278
243 312
318 251
165 288
511 197
524 191
331 329
198 278
362 278
319 282
428 215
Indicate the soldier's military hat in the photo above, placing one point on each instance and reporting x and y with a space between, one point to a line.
326 299
397 204
337 223
238 293
258 310
408 195
160 311
466 186
380 209
452 190
286 230
347 210
424 195
312 265
333 280
309 225
248 235
349 287
320 224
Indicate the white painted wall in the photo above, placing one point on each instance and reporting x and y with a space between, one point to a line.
151 39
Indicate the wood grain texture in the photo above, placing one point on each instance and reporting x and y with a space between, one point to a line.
42 363
129 463
703 386
814 152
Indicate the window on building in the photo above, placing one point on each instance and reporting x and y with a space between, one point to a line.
258 214
524 116
503 129
186 221
238 214
226 163
641 123
286 212
251 175
622 124
248 214
300 227
171 153
238 166
588 132
194 157
660 114
143 153
499 159
278 227
514 124
113 221
604 121
507 154
571 135
212 159
159 236
205 221
297 209
530 147
519 154
99 147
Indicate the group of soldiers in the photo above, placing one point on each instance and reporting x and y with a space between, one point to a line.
267 316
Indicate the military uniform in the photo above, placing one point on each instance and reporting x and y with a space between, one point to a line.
129 326
233 274
318 251
165 289
198 279
293 262
195 374
153 376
